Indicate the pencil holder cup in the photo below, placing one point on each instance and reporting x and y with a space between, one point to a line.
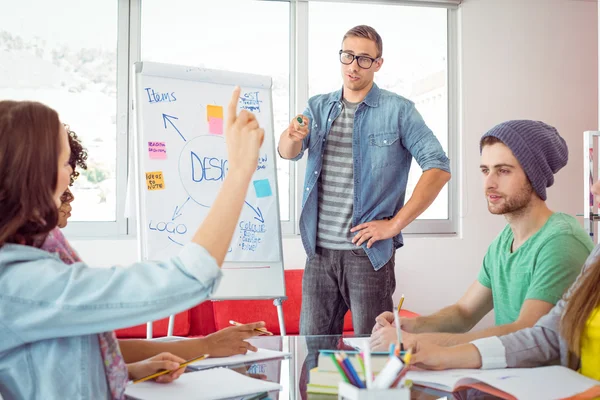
347 391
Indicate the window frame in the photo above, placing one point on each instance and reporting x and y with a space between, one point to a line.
120 226
129 52
425 227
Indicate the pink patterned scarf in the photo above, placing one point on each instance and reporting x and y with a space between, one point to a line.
114 365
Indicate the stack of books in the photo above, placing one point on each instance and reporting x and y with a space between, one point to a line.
325 378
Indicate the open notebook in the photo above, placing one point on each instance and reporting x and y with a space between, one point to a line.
541 383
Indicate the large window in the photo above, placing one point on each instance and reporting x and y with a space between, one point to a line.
76 56
415 63
64 54
254 39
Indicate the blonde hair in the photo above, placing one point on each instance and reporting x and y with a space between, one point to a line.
580 304
365 31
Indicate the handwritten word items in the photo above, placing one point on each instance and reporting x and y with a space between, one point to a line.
262 188
157 150
155 180
156 97
214 114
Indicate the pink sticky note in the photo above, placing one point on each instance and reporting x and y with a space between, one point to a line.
157 150
215 126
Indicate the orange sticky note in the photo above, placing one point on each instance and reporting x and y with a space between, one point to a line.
214 112
155 180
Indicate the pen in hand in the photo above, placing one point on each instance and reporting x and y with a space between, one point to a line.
398 328
398 332
166 371
263 331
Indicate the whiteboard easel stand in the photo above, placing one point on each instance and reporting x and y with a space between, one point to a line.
196 75
278 303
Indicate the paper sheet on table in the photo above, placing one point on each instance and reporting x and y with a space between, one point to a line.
259 355
210 384
554 382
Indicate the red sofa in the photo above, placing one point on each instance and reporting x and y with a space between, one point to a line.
211 316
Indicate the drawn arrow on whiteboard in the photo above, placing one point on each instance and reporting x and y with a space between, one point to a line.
171 239
257 212
167 118
177 212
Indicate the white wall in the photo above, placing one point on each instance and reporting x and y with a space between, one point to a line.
521 59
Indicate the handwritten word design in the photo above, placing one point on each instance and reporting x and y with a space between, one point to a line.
157 150
155 180
156 97
208 168
203 166
249 101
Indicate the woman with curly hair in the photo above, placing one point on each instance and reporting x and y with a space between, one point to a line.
78 158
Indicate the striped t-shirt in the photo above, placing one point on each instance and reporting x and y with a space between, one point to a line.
336 184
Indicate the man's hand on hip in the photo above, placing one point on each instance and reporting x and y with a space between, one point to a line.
374 231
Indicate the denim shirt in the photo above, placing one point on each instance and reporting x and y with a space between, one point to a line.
388 133
51 314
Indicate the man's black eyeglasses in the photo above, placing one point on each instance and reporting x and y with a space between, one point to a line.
363 61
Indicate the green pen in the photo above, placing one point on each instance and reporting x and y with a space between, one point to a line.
300 121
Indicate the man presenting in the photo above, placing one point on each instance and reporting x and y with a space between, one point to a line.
360 141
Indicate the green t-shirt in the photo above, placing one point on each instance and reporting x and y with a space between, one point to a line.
543 268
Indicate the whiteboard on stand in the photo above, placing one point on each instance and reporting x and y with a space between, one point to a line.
180 164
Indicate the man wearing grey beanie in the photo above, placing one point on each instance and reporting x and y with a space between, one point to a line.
530 264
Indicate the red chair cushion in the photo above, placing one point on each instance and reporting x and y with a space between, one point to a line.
159 328
202 319
245 311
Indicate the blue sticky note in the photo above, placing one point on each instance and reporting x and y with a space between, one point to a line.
262 188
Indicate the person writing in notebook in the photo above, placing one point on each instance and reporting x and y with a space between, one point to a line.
360 141
226 342
531 263
58 316
569 334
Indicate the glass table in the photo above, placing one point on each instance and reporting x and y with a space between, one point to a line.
293 372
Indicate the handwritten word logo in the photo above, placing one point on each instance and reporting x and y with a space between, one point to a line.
249 101
169 227
156 97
